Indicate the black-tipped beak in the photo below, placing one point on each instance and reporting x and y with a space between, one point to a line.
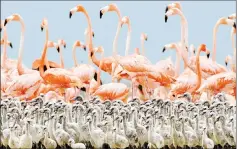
166 9
65 46
208 55
5 22
10 45
84 48
166 18
226 63
0 29
70 15
163 50
146 39
58 49
234 25
194 51
93 35
101 14
42 28
140 87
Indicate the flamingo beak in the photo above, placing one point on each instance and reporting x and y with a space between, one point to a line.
163 50
42 28
84 48
166 9
10 45
65 46
70 15
93 34
146 38
101 14
5 22
208 55
166 18
234 25
226 63
58 49
1 29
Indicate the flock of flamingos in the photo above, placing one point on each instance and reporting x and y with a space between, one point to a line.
43 106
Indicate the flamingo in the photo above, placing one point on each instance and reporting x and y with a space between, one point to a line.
8 43
223 21
37 63
184 26
59 77
111 91
28 80
229 59
186 82
85 72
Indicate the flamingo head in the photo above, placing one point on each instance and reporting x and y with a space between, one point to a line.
14 17
8 43
99 49
62 42
170 12
144 36
233 16
125 20
44 24
226 21
227 59
203 48
52 44
168 46
87 32
173 5
110 7
79 44
78 8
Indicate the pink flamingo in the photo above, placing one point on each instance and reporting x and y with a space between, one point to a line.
223 21
184 27
110 91
232 64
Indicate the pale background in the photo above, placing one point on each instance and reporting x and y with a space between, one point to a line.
145 17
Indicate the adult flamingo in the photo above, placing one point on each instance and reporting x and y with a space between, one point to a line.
233 34
110 91
58 77
221 21
232 65
184 27
85 72
37 63
189 82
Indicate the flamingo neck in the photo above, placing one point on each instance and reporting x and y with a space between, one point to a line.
99 71
128 39
177 62
142 46
233 40
117 33
61 58
43 57
4 55
214 42
74 56
19 64
199 77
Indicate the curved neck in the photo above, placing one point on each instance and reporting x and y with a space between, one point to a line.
43 57
117 33
20 55
128 39
142 46
177 61
233 40
214 42
74 55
